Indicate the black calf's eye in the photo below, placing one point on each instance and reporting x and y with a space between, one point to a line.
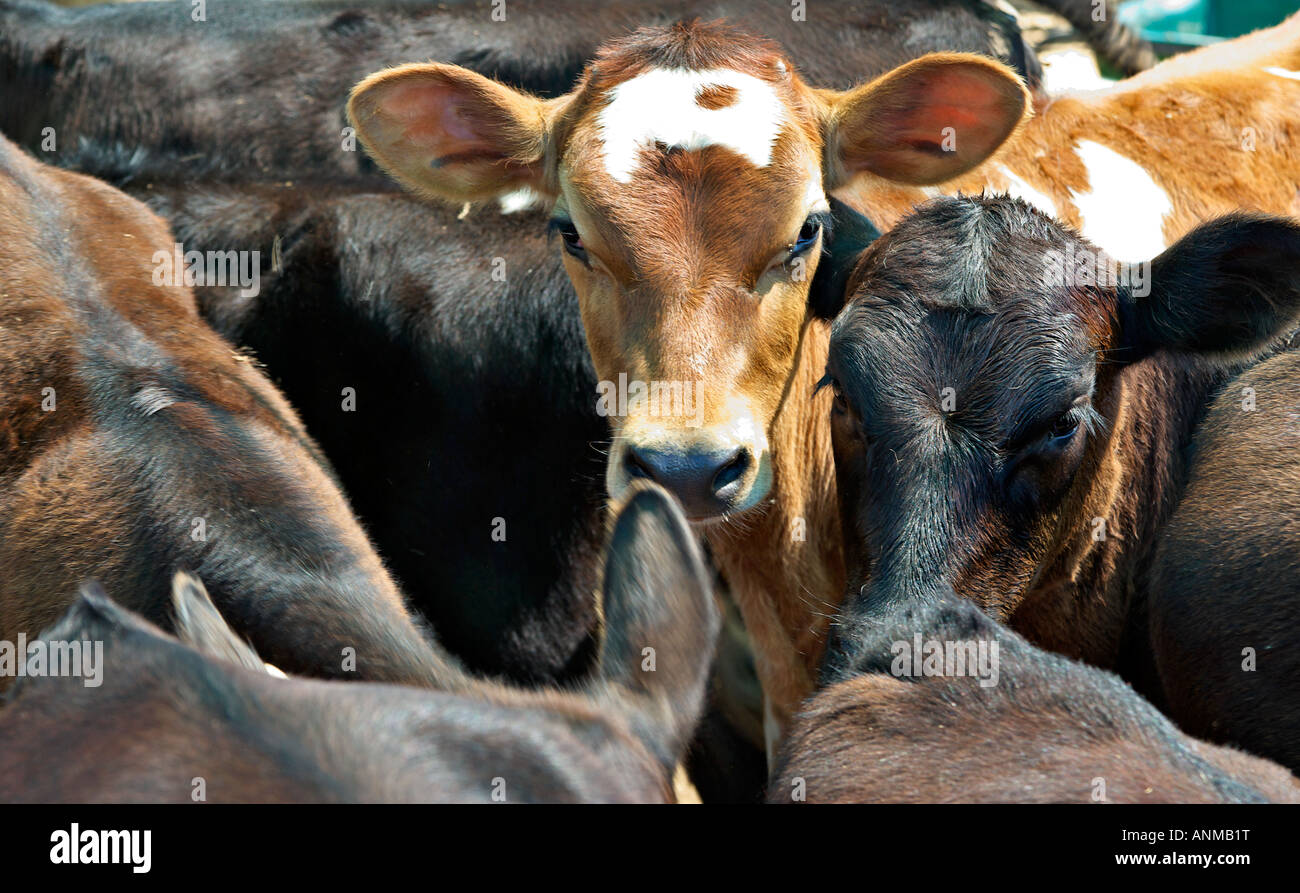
1064 427
838 404
808 233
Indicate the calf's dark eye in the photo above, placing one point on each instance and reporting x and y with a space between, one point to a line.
569 235
1063 428
808 233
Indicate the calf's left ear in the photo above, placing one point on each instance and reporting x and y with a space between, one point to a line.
925 122
1226 289
850 234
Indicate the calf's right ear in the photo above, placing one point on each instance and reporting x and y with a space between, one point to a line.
661 622
447 132
1226 289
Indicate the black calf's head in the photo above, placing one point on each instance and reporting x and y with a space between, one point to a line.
975 368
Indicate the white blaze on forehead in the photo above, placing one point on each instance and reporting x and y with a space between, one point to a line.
660 107
1123 211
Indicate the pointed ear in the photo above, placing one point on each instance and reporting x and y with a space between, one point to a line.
200 624
850 234
925 122
1225 290
450 133
661 623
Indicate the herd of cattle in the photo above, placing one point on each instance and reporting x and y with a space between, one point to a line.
979 407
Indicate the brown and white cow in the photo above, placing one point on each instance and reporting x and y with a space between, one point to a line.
1135 166
688 173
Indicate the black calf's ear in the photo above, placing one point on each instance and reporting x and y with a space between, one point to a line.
850 234
1226 289
661 622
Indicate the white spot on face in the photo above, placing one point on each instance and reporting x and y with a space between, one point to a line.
1123 212
1018 188
814 196
1283 73
660 107
698 363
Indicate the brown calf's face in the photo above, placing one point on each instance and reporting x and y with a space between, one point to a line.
688 173
976 384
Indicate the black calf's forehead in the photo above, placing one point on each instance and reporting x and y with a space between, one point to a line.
958 296
975 255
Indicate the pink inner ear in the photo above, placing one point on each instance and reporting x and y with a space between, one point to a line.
899 134
430 117
973 106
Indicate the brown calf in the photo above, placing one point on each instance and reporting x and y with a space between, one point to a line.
687 174
1019 432
134 441
985 717
166 716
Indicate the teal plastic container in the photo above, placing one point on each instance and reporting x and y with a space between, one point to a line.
1176 25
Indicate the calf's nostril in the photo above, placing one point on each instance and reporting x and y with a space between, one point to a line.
706 481
636 466
733 470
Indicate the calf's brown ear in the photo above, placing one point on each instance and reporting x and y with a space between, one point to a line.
661 622
924 122
1225 290
450 133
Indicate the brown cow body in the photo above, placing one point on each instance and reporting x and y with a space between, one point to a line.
1046 730
134 442
1225 577
164 716
1205 133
